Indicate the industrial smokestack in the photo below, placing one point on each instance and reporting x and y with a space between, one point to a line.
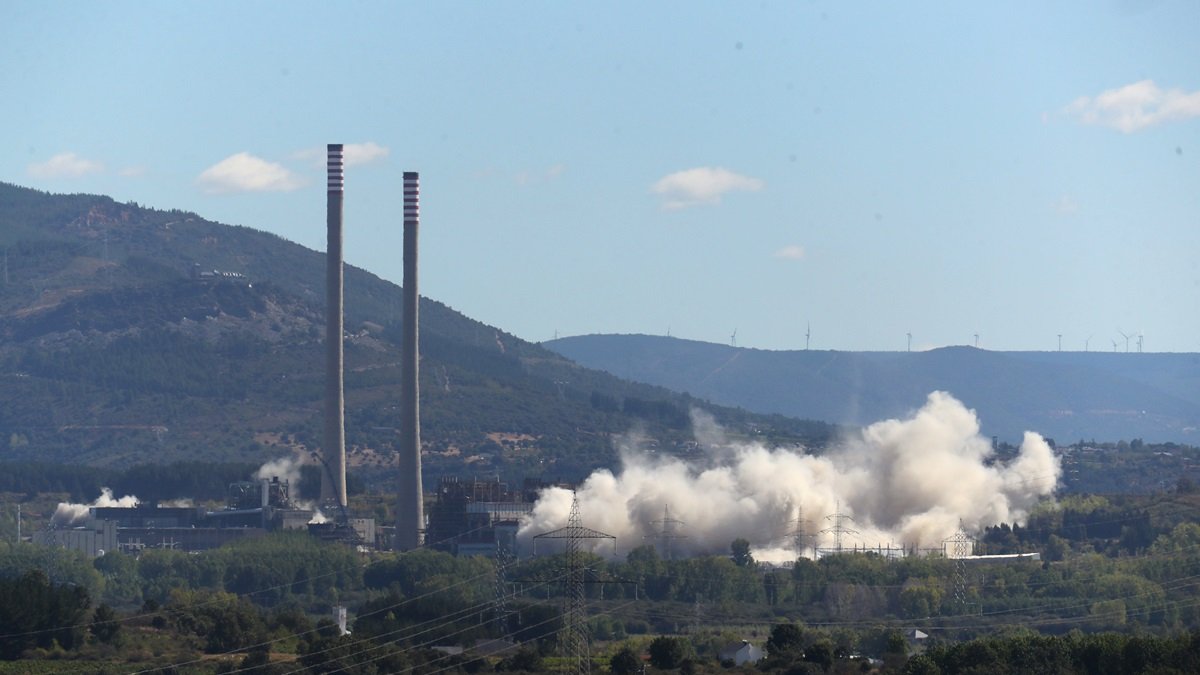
333 478
410 512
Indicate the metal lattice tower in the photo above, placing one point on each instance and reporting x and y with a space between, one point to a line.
960 547
574 639
667 532
502 563
838 529
800 535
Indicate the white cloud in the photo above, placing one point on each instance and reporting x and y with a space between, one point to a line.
244 172
702 185
790 252
527 177
353 154
64 165
1135 106
1066 205
132 171
314 156
363 153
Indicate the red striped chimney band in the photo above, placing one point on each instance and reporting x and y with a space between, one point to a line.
335 167
412 193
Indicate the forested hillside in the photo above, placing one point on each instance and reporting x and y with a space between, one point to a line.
116 351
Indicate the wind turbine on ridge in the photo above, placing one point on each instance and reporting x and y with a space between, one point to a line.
1126 339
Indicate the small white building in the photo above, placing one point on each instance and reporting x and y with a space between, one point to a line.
740 653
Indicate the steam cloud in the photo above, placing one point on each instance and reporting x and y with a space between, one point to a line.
904 482
283 468
288 468
67 515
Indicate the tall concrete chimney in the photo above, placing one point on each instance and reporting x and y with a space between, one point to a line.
410 511
333 478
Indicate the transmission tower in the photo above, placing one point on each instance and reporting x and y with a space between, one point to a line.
503 564
838 529
667 533
801 539
574 640
960 547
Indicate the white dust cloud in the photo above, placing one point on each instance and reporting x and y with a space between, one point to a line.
906 483
67 515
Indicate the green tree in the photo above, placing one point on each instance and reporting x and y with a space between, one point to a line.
786 638
820 653
1056 548
224 621
624 662
667 652
526 660
741 553
921 598
36 613
921 664
106 627
122 584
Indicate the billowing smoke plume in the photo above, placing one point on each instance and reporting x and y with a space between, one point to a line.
68 515
905 483
288 468
283 468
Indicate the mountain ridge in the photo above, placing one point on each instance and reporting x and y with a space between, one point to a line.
116 352
1065 395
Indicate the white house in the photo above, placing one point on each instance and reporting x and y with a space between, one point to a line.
741 652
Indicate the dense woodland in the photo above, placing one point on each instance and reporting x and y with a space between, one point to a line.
1114 592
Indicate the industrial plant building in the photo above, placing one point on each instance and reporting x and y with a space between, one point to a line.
252 509
479 517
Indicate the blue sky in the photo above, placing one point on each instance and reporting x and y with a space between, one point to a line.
871 170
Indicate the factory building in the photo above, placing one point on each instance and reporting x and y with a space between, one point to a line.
479 517
251 510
